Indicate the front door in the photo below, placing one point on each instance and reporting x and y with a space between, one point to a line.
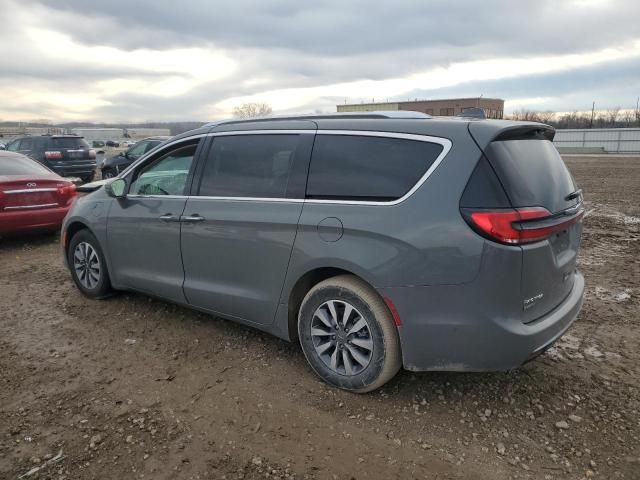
143 229
240 223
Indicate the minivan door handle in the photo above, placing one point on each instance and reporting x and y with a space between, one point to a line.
168 217
192 218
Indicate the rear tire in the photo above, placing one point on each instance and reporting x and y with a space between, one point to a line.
108 173
348 335
87 178
88 266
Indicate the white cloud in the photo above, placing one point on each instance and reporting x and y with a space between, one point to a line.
457 73
142 59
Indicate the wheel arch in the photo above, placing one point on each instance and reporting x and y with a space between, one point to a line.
70 230
302 286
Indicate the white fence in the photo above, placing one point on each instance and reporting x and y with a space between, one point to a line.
611 140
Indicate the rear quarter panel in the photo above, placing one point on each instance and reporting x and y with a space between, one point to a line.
421 241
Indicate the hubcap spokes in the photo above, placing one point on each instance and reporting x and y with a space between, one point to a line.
86 264
342 337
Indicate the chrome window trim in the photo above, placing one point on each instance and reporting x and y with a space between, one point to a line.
260 132
250 199
444 142
31 190
157 150
446 146
135 195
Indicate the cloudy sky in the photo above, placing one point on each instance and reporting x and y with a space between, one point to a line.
137 60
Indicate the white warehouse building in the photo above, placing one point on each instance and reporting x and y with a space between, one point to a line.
93 134
138 133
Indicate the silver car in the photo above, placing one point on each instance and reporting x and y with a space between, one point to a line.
375 240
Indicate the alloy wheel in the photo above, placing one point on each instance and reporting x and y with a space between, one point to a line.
342 337
86 264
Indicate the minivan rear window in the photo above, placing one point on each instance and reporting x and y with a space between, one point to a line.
69 142
358 167
532 173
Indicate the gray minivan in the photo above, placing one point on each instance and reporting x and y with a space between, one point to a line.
376 240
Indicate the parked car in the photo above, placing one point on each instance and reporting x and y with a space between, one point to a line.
111 143
97 144
2 146
67 155
31 196
112 166
376 240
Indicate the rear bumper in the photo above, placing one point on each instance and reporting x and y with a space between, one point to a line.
74 170
23 220
446 328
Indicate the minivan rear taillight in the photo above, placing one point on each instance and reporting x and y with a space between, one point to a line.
520 225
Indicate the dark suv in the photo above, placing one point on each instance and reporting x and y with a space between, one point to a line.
112 166
376 240
67 155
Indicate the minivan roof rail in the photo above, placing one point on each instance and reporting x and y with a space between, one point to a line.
398 114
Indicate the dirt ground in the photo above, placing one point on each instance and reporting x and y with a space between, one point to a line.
132 387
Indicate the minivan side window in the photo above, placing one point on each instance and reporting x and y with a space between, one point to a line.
249 165
166 175
358 167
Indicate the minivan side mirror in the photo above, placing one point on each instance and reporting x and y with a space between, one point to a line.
117 188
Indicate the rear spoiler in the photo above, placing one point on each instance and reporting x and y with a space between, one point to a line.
527 132
486 132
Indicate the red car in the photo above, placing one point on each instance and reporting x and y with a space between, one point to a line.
31 196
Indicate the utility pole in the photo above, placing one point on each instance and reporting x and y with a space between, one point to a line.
593 111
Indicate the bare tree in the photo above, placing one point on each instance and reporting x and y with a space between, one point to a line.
612 116
547 116
252 110
628 118
533 116
525 115
574 120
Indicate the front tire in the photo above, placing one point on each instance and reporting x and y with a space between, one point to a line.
88 266
348 335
